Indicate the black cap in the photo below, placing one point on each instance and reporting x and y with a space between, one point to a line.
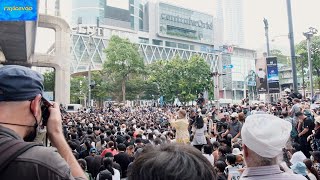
299 114
19 83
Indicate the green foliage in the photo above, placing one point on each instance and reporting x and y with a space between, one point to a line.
302 61
78 89
49 81
282 59
180 78
123 61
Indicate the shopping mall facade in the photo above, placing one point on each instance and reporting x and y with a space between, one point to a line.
161 30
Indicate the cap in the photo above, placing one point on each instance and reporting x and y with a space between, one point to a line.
265 134
93 150
18 83
235 115
297 157
236 151
299 168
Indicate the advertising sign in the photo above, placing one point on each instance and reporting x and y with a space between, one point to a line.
273 75
18 10
181 23
261 67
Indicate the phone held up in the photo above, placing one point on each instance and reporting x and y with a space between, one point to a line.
45 105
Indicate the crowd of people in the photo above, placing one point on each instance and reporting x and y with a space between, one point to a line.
123 133
202 142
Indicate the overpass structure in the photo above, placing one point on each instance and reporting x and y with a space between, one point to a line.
17 42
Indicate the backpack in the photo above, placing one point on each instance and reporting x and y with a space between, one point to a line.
10 149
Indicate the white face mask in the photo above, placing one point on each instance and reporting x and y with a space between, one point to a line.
312 158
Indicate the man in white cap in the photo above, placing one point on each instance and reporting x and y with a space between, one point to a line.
263 137
234 128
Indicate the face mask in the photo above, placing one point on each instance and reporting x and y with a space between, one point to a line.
312 158
33 134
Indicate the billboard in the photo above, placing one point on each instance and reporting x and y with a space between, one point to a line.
180 23
273 75
261 71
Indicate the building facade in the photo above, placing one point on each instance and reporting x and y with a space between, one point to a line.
230 15
237 67
162 31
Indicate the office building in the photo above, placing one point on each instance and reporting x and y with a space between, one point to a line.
162 31
230 12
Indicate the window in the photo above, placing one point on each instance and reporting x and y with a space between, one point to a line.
132 22
157 42
191 47
143 40
141 25
183 46
171 44
131 9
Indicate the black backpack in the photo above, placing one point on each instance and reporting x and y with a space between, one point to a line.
10 149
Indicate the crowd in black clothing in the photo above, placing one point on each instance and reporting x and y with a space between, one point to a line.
108 141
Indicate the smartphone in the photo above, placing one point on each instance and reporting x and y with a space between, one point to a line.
45 105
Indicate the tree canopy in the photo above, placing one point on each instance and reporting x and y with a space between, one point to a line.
180 78
123 60
302 60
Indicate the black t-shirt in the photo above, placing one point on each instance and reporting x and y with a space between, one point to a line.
308 123
200 101
123 160
317 134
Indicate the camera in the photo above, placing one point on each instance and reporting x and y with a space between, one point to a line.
45 105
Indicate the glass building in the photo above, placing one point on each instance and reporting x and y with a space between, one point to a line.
87 12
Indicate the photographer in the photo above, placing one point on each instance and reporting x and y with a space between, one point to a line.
200 101
21 116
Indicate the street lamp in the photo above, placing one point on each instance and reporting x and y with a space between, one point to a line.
312 31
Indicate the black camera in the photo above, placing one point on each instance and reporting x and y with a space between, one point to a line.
45 105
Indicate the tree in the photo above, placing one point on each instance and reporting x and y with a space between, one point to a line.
181 78
78 89
302 61
49 81
123 61
282 59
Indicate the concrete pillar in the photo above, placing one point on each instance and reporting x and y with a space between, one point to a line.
60 61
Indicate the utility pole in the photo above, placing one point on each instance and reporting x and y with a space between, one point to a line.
292 50
303 82
266 29
89 85
215 74
312 31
